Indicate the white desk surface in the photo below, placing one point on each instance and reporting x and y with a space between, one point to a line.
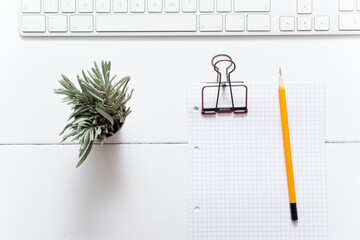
132 191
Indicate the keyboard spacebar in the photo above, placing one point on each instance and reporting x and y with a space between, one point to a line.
146 23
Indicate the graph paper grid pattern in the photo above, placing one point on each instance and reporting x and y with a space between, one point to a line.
237 175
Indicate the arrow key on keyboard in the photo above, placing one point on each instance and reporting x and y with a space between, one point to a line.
304 23
322 23
287 23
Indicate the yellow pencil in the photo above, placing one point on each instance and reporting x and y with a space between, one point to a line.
287 149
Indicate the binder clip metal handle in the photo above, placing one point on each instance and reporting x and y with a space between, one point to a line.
231 66
229 69
224 56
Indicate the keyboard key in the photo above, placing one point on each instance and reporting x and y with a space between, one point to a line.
120 6
103 6
172 6
322 23
146 23
51 6
211 23
223 5
189 6
304 23
349 22
79 23
155 6
235 23
304 6
58 23
252 5
68 6
346 5
206 5
258 23
287 23
31 6
137 6
33 23
85 6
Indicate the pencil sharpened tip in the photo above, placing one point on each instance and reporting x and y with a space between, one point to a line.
281 83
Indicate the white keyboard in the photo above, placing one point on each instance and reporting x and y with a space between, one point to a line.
188 17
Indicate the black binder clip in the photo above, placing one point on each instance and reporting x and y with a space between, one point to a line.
226 85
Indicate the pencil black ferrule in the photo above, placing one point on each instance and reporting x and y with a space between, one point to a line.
293 211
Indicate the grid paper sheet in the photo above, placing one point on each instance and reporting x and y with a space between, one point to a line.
237 176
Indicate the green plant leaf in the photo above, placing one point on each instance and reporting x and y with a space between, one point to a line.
65 128
70 134
97 72
121 82
112 79
85 155
108 89
78 120
112 98
127 113
106 115
98 106
96 79
104 72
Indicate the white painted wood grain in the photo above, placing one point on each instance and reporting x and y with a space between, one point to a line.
343 190
130 192
121 192
161 68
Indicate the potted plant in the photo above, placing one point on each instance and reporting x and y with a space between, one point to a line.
99 107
